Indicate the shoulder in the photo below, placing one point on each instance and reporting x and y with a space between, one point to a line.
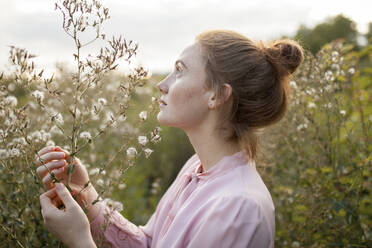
243 195
243 184
242 205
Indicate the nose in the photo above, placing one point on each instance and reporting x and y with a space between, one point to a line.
162 87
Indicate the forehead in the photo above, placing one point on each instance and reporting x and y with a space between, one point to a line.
192 56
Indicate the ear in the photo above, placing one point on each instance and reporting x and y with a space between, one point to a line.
226 93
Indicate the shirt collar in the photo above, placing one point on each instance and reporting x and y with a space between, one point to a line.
223 166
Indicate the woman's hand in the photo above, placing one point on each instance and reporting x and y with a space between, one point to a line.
55 159
69 225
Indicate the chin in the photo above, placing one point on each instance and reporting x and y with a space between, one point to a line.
162 120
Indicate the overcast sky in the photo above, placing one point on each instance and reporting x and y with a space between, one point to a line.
163 28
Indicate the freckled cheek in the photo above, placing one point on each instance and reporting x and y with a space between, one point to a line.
184 97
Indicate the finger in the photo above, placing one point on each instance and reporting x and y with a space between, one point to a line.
65 196
58 202
45 200
43 151
57 148
47 180
43 169
47 157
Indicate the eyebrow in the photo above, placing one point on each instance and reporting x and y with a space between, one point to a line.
181 62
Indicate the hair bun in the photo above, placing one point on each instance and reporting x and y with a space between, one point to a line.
288 54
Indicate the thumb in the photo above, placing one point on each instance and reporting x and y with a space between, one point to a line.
65 195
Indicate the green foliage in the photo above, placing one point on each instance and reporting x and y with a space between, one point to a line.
321 163
334 28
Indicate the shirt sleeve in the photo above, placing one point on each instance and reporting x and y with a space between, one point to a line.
111 229
232 222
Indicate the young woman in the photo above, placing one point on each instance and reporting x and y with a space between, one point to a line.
223 89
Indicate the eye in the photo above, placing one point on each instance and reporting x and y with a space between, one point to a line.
178 69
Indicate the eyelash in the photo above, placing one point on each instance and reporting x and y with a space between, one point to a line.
178 69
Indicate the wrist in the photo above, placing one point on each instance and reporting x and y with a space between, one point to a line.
85 242
91 196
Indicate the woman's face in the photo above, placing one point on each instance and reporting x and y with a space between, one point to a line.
184 91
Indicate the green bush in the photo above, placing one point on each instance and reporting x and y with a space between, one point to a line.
318 158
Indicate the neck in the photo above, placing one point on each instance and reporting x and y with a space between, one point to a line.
210 146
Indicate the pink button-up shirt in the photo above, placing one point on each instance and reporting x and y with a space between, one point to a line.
226 206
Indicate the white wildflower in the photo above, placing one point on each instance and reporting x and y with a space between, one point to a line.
45 135
155 184
85 135
122 186
295 244
50 143
11 87
122 117
2 113
36 136
293 84
57 117
153 191
39 96
131 152
143 115
118 206
301 126
142 140
311 105
11 100
102 101
94 171
153 99
156 138
14 152
329 76
148 152
21 141
3 154
342 112
100 182
351 70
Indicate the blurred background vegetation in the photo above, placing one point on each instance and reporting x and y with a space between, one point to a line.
316 162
